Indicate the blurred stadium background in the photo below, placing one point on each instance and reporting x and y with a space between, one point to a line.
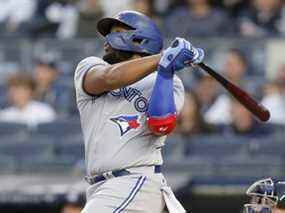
218 148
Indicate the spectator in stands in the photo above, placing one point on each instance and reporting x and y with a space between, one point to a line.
144 6
235 68
207 91
190 120
261 19
65 14
74 203
280 75
274 100
115 7
243 123
53 19
281 25
278 210
147 7
47 88
14 13
90 11
23 108
233 7
39 25
197 18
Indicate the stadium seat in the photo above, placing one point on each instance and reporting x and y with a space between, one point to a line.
270 147
2 96
10 128
41 165
24 149
59 128
7 163
71 148
174 146
214 146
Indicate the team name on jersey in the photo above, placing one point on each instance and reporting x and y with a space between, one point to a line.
132 95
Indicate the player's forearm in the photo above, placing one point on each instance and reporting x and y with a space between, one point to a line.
161 110
126 73
120 75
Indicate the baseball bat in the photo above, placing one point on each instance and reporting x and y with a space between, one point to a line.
243 97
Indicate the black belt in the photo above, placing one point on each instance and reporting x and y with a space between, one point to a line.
115 173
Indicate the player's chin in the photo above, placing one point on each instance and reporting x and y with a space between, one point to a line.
110 57
117 56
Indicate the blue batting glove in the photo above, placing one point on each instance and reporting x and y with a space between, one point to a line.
180 54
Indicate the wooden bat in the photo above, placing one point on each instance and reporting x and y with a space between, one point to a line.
243 97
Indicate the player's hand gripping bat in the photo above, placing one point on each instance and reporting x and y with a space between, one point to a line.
243 97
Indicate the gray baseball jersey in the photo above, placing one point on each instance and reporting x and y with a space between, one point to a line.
114 124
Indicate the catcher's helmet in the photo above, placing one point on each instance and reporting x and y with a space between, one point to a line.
144 36
263 197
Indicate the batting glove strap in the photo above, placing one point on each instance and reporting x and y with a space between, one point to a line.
199 55
180 54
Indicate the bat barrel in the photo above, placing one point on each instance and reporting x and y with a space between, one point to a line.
244 98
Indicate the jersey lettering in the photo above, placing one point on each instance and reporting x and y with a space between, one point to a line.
141 104
132 95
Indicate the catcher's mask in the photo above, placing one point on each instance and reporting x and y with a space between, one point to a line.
263 197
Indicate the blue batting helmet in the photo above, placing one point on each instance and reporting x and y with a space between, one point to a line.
143 36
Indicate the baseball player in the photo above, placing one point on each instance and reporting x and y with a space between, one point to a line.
266 196
128 102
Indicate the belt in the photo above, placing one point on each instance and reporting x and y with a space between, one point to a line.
115 173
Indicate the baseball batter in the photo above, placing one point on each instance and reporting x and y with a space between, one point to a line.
128 102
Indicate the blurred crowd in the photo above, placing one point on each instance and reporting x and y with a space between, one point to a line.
203 18
39 96
33 97
73 202
208 109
